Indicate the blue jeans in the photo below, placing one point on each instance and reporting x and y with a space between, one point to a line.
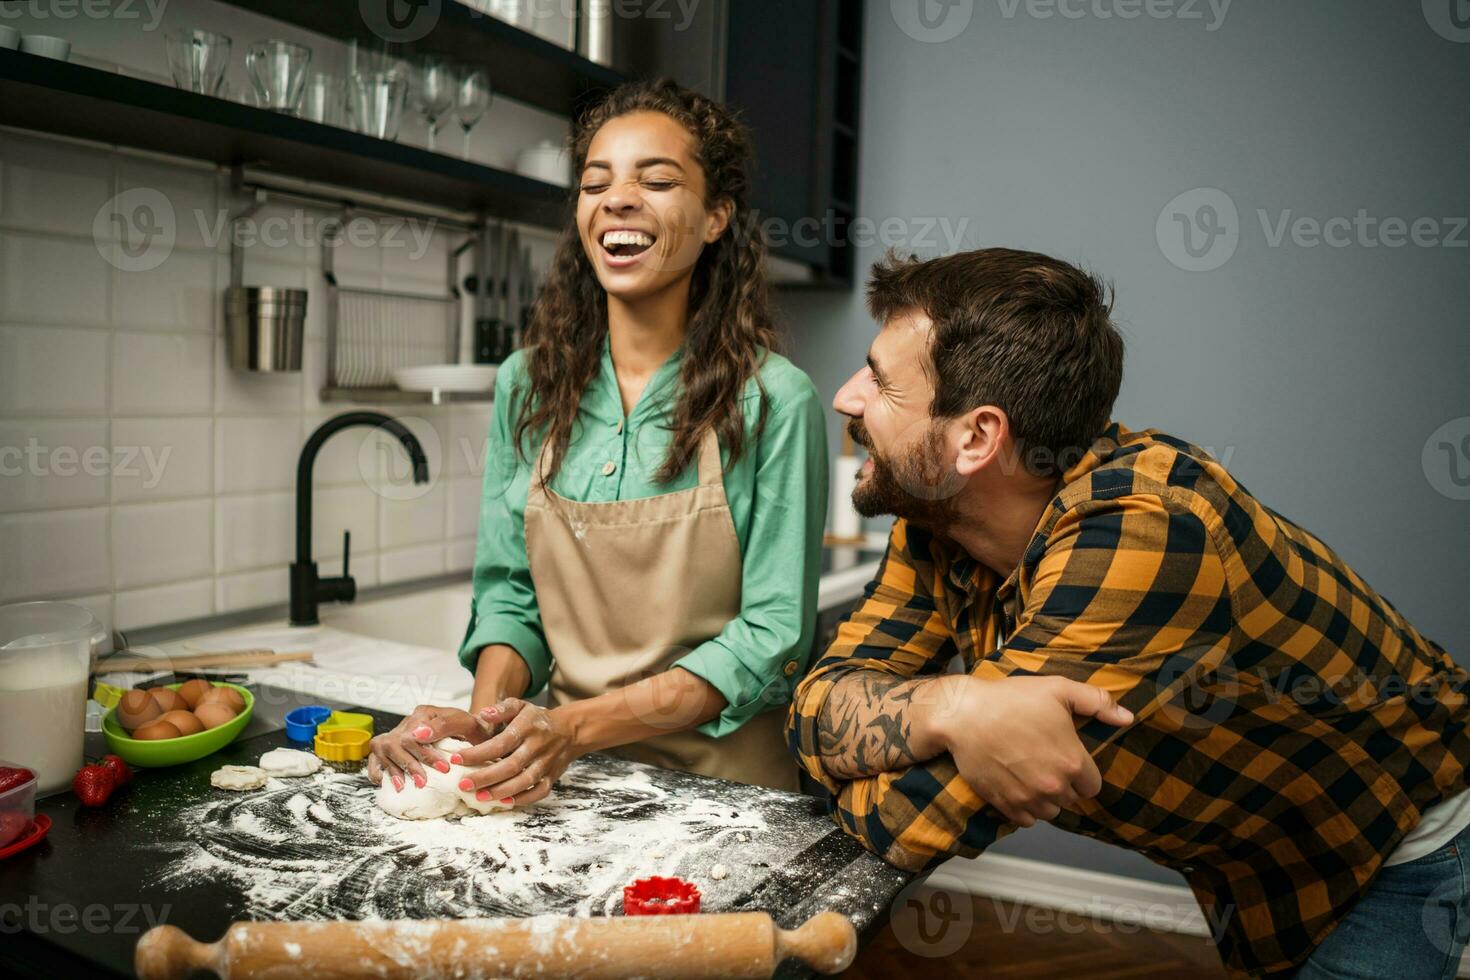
1411 924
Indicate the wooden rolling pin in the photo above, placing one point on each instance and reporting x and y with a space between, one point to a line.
194 661
677 947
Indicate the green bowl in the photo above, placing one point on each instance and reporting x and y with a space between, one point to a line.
175 751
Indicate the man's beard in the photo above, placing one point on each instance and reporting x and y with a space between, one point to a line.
919 487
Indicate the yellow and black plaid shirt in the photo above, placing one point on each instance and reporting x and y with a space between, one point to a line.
1290 725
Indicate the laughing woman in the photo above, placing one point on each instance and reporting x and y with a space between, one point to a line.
655 489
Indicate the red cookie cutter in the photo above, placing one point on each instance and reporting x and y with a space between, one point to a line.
660 896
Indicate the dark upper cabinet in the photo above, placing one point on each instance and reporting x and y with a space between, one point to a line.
793 70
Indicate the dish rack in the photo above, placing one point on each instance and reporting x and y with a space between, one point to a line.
372 332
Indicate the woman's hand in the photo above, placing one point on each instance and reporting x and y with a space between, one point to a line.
520 764
402 753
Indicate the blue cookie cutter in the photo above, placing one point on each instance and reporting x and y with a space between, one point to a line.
301 723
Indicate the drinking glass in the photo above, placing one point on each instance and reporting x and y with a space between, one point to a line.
278 71
434 91
197 60
471 99
325 100
377 102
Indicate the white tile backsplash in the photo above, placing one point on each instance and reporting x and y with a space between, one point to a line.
54 552
179 294
52 371
155 458
254 530
161 373
50 186
53 280
256 454
139 474
157 543
53 463
136 608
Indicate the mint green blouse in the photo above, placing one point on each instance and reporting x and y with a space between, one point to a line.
778 499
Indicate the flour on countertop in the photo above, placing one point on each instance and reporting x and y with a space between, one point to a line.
319 848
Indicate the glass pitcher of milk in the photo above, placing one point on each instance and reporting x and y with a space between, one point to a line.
45 658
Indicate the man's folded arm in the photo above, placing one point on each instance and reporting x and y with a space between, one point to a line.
1131 597
849 716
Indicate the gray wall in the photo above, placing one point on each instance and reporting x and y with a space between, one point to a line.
1317 373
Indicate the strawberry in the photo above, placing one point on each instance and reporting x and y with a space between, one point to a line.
121 774
92 784
13 776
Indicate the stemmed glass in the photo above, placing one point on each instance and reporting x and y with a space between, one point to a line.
471 99
435 90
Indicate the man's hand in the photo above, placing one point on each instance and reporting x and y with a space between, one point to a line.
1015 740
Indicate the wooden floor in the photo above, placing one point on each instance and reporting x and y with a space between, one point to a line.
1010 940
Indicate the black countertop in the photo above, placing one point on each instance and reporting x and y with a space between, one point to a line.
169 848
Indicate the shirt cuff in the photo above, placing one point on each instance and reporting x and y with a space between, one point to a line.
747 693
526 642
801 724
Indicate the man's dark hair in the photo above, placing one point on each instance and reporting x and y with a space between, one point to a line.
1023 331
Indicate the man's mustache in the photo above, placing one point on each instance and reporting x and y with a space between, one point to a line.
859 433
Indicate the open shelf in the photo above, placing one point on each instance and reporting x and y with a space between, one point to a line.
73 100
522 66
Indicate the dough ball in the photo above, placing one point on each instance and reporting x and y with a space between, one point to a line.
238 778
289 762
440 795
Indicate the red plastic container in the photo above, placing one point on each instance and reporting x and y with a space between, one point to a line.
17 806
660 896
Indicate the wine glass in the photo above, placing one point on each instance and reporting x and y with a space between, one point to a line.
434 93
471 99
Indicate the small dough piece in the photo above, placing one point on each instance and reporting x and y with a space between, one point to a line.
289 762
719 872
440 796
238 778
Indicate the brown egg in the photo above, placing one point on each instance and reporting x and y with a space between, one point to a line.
157 730
184 721
137 708
224 695
192 691
168 700
213 714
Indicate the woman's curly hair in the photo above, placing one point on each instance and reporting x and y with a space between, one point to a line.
729 315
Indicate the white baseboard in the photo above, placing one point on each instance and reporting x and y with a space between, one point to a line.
1095 895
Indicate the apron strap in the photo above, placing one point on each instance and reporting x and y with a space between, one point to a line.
710 471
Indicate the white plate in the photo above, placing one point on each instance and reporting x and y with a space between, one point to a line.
446 377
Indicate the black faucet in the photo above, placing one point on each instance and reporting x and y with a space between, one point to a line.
307 590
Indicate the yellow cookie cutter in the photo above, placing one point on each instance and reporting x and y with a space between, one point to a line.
347 719
342 744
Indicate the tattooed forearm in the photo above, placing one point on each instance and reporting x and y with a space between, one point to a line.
866 728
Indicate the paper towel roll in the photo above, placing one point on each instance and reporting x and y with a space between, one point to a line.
845 523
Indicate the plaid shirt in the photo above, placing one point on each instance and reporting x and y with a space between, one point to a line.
1290 727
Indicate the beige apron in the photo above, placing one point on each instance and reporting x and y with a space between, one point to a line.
626 588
